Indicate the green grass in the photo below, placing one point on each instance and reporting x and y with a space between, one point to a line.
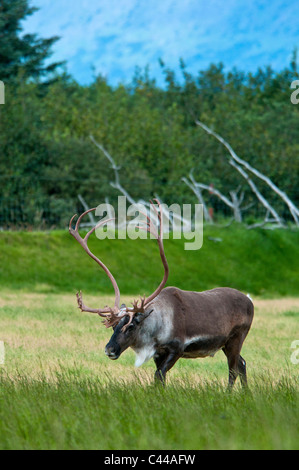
80 413
58 390
261 262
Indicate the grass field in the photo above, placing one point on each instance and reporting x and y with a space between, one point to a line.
261 262
59 391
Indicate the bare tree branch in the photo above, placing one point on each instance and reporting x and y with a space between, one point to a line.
293 209
257 192
264 225
92 222
196 190
115 168
234 203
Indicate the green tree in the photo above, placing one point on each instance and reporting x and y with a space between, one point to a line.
25 55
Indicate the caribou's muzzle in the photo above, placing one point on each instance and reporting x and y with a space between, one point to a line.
111 353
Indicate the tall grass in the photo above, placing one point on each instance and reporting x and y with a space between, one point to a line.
74 412
58 390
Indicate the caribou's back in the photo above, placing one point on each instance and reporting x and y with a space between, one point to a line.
221 308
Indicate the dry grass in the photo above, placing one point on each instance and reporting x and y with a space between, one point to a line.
43 333
277 305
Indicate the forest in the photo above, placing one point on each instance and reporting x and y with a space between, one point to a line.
48 157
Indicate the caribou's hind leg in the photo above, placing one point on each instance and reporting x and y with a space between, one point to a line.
242 371
236 363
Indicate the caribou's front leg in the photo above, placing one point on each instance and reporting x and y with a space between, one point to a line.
166 360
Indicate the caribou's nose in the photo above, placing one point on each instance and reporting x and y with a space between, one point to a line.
110 353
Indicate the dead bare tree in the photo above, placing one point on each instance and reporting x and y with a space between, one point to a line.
234 203
239 163
269 209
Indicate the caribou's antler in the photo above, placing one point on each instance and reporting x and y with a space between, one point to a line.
115 314
106 312
159 237
137 307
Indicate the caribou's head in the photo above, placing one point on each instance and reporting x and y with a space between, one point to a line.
123 337
125 321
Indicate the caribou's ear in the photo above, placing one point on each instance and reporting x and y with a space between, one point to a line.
142 316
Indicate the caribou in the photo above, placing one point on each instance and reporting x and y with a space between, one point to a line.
172 323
